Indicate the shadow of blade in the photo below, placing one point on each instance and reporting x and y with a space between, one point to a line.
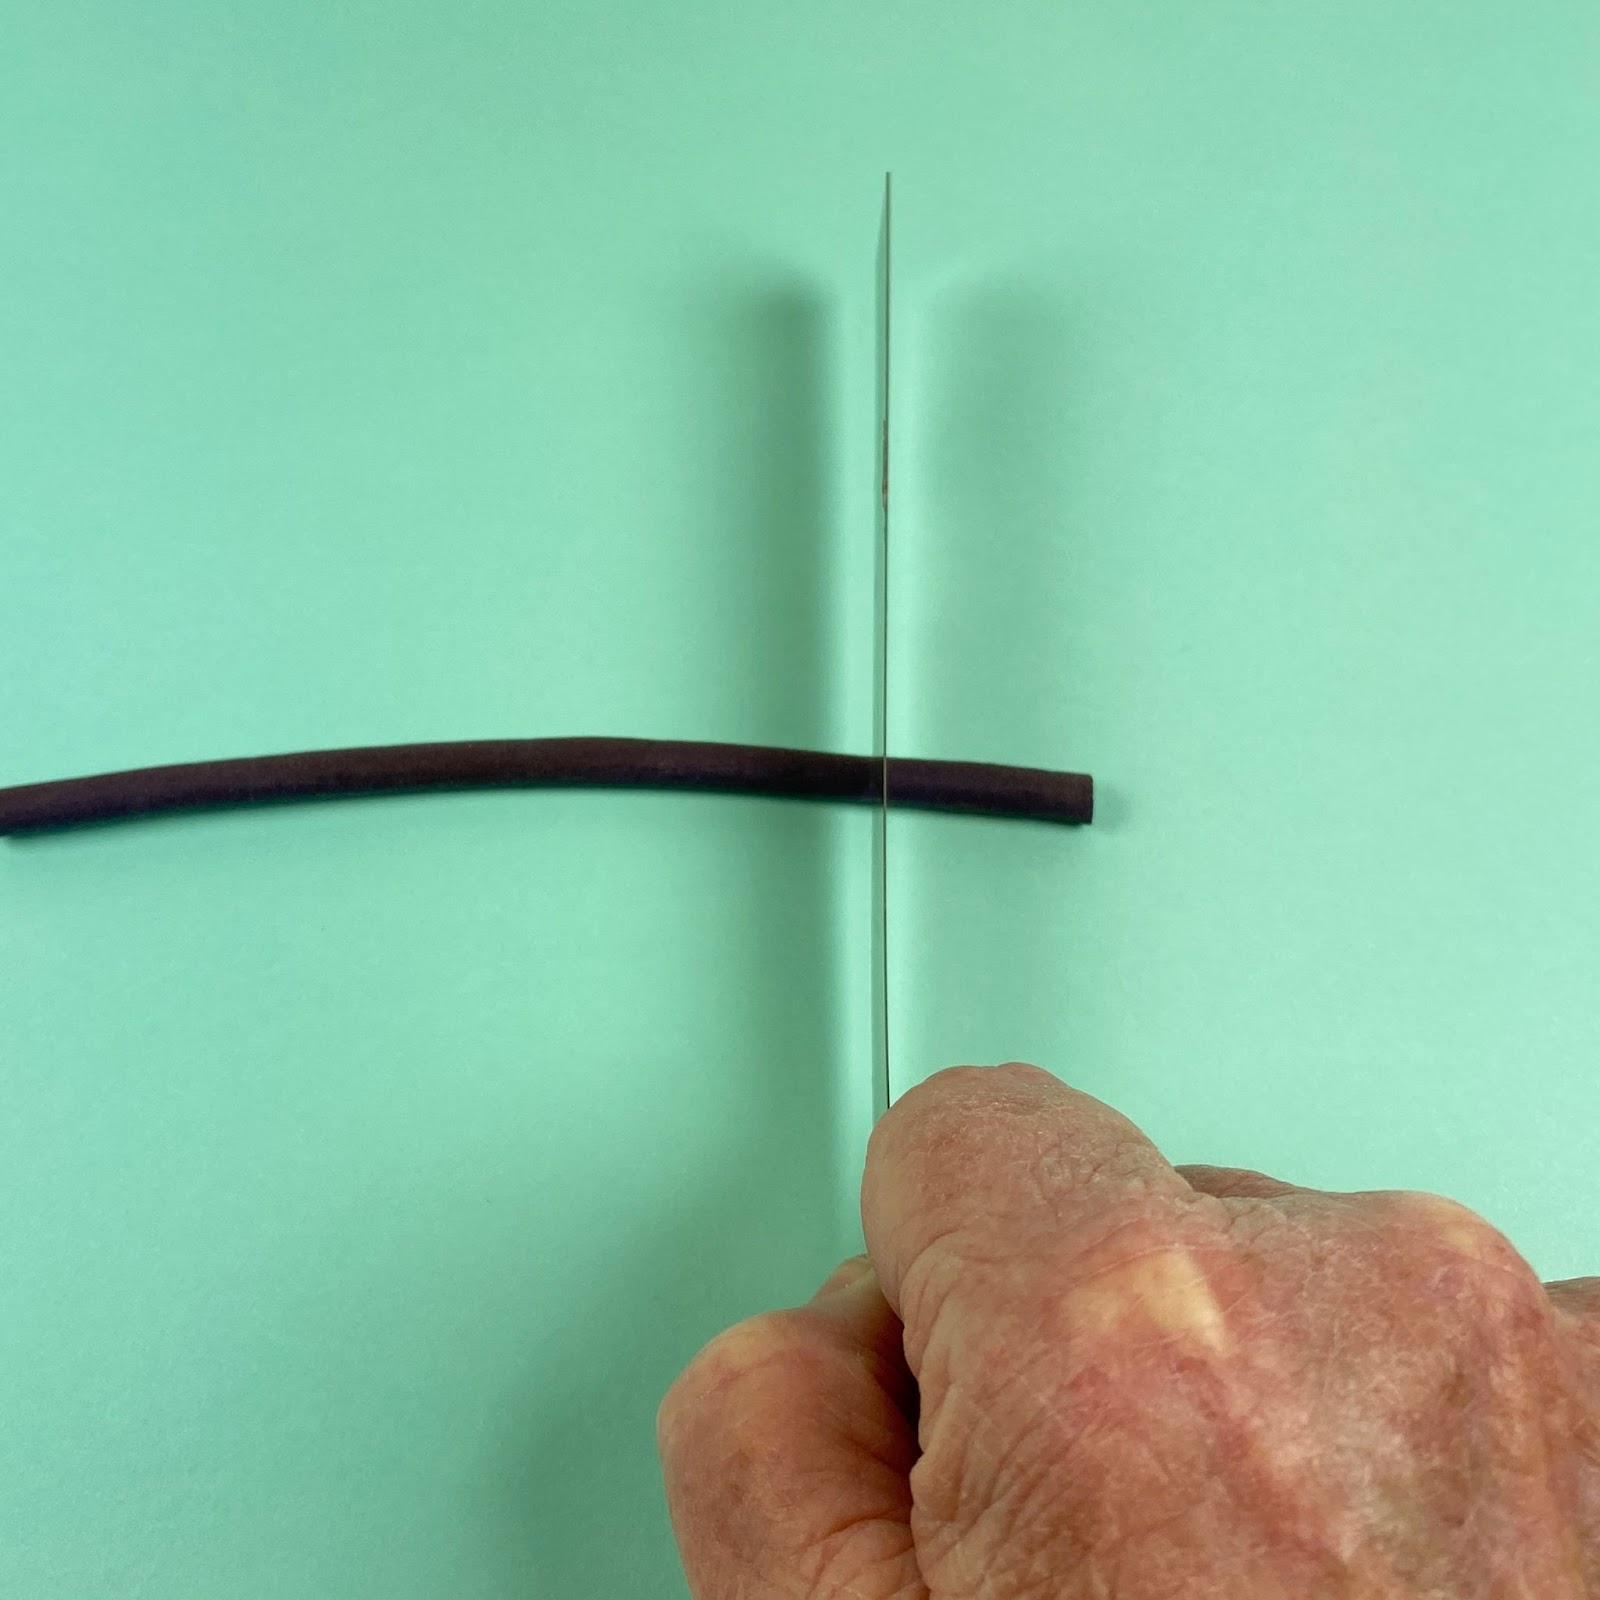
755 429
369 1170
751 1215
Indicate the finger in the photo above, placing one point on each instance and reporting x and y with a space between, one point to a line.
1578 1296
978 1169
1577 1303
1577 1309
786 1447
1236 1183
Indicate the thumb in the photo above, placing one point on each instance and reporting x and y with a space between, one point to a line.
786 1447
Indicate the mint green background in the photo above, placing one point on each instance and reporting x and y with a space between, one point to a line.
424 370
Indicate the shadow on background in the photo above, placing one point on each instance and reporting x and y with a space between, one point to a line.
992 603
501 1105
754 423
755 1215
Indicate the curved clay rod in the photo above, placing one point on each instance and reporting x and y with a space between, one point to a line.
968 786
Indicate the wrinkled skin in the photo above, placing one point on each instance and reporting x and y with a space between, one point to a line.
1071 1371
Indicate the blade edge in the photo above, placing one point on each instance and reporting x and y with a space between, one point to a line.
882 1085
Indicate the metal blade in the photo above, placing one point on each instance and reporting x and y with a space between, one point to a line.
881 1092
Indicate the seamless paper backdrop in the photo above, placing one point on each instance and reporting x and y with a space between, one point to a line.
422 371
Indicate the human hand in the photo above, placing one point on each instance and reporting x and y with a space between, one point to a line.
1074 1371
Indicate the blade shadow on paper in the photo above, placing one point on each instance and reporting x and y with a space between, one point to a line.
576 1506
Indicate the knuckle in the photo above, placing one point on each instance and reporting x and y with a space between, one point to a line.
1472 1254
1434 1219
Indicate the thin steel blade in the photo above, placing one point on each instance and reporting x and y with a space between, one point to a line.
881 1091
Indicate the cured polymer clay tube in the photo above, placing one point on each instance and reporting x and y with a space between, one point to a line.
609 763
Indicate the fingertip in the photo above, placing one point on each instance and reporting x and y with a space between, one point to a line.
985 1163
844 1276
978 1080
786 1448
1028 1070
